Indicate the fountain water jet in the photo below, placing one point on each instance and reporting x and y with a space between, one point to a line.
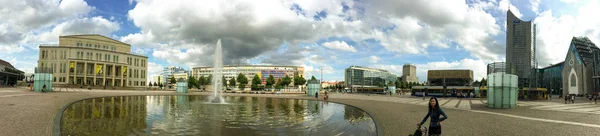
217 73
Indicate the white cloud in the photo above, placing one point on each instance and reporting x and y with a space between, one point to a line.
24 16
94 25
554 33
503 6
154 70
535 4
569 1
8 49
374 59
190 57
339 45
419 25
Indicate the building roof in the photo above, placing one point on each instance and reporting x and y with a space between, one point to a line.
84 36
250 66
554 65
5 63
584 48
367 68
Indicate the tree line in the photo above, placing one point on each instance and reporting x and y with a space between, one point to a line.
241 81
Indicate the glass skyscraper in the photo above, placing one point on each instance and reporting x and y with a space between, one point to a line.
520 49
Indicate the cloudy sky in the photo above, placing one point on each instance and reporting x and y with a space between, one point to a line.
328 35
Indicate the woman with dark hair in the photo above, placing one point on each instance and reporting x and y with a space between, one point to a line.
435 127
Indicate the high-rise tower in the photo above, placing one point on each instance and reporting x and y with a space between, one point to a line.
520 49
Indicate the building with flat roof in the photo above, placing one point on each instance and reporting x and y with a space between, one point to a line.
409 73
449 77
520 48
360 78
263 71
93 59
9 75
173 71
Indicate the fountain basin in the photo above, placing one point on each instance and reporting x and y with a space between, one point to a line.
191 115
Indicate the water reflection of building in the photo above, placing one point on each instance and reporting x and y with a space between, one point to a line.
354 115
108 116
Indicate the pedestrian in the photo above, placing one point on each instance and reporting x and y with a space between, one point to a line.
566 99
44 88
595 98
472 95
317 95
434 111
572 98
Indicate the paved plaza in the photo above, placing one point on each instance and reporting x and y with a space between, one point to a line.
29 113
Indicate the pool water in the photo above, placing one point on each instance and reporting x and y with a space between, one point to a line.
193 115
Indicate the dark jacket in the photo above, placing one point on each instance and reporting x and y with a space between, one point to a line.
435 117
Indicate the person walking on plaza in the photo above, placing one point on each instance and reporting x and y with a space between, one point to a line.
595 98
44 88
572 98
566 98
317 95
434 111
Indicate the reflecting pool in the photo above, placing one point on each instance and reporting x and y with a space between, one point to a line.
192 115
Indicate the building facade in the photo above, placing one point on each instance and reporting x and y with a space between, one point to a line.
496 67
356 77
450 77
9 75
409 73
520 48
578 70
263 71
551 78
94 60
171 71
596 71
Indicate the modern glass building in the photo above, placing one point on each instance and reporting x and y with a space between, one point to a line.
520 49
172 71
551 77
357 77
596 71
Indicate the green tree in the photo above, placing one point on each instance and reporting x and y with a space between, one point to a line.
270 81
255 82
286 81
155 84
297 81
243 81
224 81
302 80
150 84
209 80
232 82
279 84
313 78
483 82
390 83
160 85
191 82
201 82
172 80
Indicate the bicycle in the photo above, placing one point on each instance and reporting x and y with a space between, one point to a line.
421 131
